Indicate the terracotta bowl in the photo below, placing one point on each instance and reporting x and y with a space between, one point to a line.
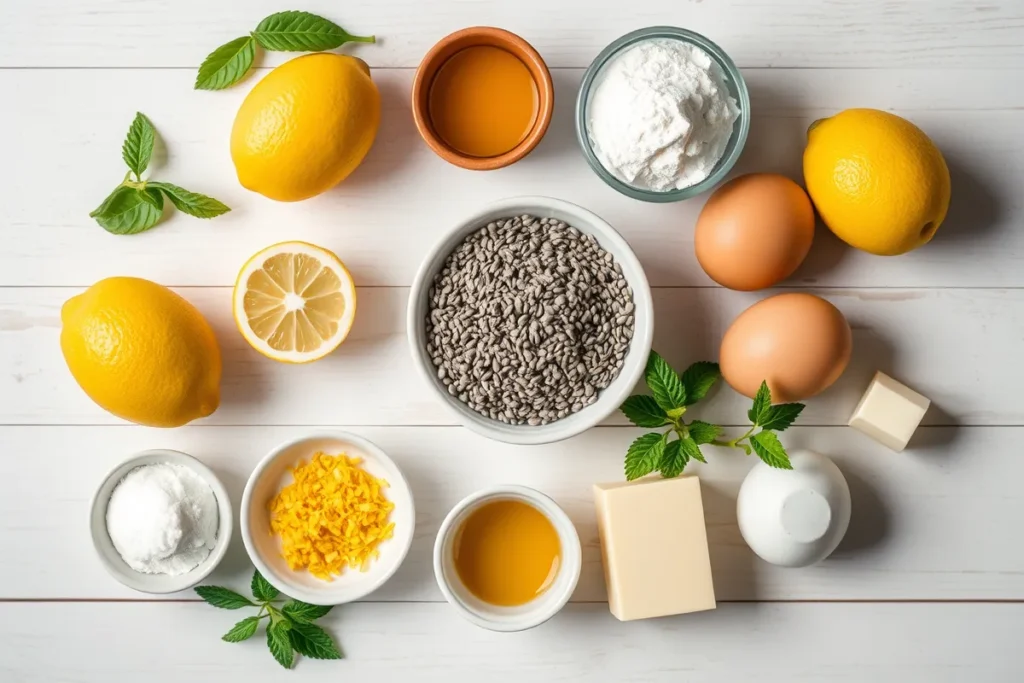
444 50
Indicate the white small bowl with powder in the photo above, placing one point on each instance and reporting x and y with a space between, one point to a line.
161 521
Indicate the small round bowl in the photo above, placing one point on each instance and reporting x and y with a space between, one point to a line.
157 583
737 89
442 52
264 547
494 617
636 357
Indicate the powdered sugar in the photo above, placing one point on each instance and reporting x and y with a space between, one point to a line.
660 115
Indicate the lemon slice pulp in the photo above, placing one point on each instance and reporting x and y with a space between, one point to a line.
294 302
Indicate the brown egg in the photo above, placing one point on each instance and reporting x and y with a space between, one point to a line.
754 231
798 342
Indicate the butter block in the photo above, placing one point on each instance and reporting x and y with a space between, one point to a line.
654 546
889 412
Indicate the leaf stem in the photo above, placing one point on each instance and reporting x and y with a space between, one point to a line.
362 39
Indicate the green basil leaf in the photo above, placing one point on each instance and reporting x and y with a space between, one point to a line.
780 417
223 597
128 211
692 450
138 145
295 31
243 630
304 612
698 380
770 450
227 64
262 589
280 644
192 203
312 641
703 432
665 384
644 411
644 455
762 401
673 461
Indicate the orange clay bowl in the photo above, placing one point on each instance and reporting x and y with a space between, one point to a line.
472 37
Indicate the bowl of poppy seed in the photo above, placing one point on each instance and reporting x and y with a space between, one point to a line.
531 319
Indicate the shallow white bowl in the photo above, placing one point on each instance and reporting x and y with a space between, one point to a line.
522 617
636 357
157 583
264 547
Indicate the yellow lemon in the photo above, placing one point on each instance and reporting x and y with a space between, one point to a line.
294 302
879 183
142 352
306 126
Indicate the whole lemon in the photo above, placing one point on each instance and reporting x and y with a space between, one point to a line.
141 352
306 126
879 183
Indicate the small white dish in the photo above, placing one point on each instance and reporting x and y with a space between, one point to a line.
264 547
111 559
794 518
522 617
633 365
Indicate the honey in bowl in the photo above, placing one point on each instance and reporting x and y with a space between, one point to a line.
507 553
483 101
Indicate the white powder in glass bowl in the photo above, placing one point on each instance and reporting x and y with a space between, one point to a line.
660 115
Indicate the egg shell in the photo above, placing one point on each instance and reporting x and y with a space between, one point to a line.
754 231
799 343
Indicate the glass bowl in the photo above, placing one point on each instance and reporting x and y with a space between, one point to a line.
737 89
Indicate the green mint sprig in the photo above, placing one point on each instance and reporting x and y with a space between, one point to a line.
670 451
290 31
290 629
137 205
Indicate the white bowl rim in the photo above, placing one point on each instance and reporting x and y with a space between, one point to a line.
297 592
572 557
142 582
573 424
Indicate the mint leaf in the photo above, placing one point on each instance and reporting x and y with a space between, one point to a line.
703 432
129 210
762 401
295 31
279 643
780 417
227 64
303 612
223 597
644 455
673 461
192 203
138 145
644 411
243 630
691 450
262 589
665 384
312 641
698 380
770 450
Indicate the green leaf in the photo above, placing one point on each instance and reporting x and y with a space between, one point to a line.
762 400
312 641
279 643
644 455
138 145
304 612
295 31
227 64
129 210
770 450
673 461
691 450
262 589
644 411
698 380
780 417
192 203
223 597
703 432
243 630
665 384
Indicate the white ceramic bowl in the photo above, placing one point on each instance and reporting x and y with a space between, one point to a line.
536 611
643 323
157 583
264 547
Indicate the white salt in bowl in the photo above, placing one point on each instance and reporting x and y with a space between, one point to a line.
635 360
264 547
111 559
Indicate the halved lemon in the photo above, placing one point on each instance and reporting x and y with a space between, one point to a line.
294 302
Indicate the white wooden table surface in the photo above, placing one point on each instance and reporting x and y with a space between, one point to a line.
928 586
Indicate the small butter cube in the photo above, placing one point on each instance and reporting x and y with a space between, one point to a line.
889 412
655 547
